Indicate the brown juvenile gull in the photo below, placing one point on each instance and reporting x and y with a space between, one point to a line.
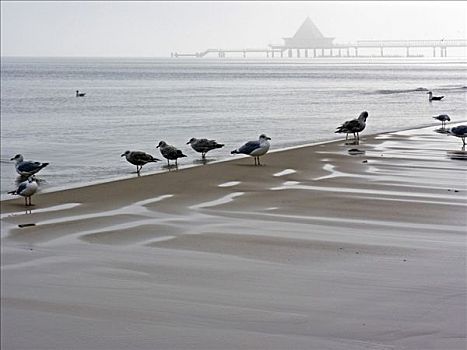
443 118
459 131
203 146
170 152
139 159
255 149
354 126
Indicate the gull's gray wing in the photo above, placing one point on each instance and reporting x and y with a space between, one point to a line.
249 147
28 166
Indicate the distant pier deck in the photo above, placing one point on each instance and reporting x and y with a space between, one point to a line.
334 50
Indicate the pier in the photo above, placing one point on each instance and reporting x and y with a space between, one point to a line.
309 42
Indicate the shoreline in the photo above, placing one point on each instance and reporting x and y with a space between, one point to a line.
317 248
6 198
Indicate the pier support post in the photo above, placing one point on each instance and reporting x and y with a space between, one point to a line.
322 52
306 53
298 53
445 52
340 53
407 54
282 54
356 52
348 52
434 51
290 53
314 52
382 52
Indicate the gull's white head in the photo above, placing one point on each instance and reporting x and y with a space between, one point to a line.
18 158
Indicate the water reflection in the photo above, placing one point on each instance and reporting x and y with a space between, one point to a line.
457 155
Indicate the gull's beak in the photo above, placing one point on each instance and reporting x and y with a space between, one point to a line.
12 158
157 146
188 143
268 138
122 155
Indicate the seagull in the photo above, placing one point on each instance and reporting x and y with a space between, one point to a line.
139 159
170 152
443 118
80 94
459 131
26 167
353 126
26 189
434 98
203 146
255 149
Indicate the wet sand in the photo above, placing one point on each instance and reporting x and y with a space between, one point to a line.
317 249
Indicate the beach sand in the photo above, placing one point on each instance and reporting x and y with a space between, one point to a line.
317 249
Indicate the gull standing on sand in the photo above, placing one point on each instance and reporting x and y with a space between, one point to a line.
27 167
139 159
80 94
443 118
203 146
170 152
459 131
26 189
354 126
255 149
434 98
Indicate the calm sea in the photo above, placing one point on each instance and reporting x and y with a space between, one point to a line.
132 104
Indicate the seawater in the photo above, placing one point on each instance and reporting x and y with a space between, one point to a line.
132 104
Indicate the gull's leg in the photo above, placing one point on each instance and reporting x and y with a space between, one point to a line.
258 161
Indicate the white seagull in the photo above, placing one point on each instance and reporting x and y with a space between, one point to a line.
255 149
27 167
26 189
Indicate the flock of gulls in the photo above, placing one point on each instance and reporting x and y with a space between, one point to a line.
255 149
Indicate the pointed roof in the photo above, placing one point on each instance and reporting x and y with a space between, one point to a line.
308 31
308 35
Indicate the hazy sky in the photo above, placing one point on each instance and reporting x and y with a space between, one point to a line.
155 29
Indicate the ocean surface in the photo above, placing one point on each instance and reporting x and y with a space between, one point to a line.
132 104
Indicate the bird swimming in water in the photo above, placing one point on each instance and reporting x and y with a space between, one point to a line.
255 149
459 131
203 146
443 118
170 152
139 159
80 94
26 189
354 126
27 167
434 98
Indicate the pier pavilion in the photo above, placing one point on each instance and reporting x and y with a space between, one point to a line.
308 41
